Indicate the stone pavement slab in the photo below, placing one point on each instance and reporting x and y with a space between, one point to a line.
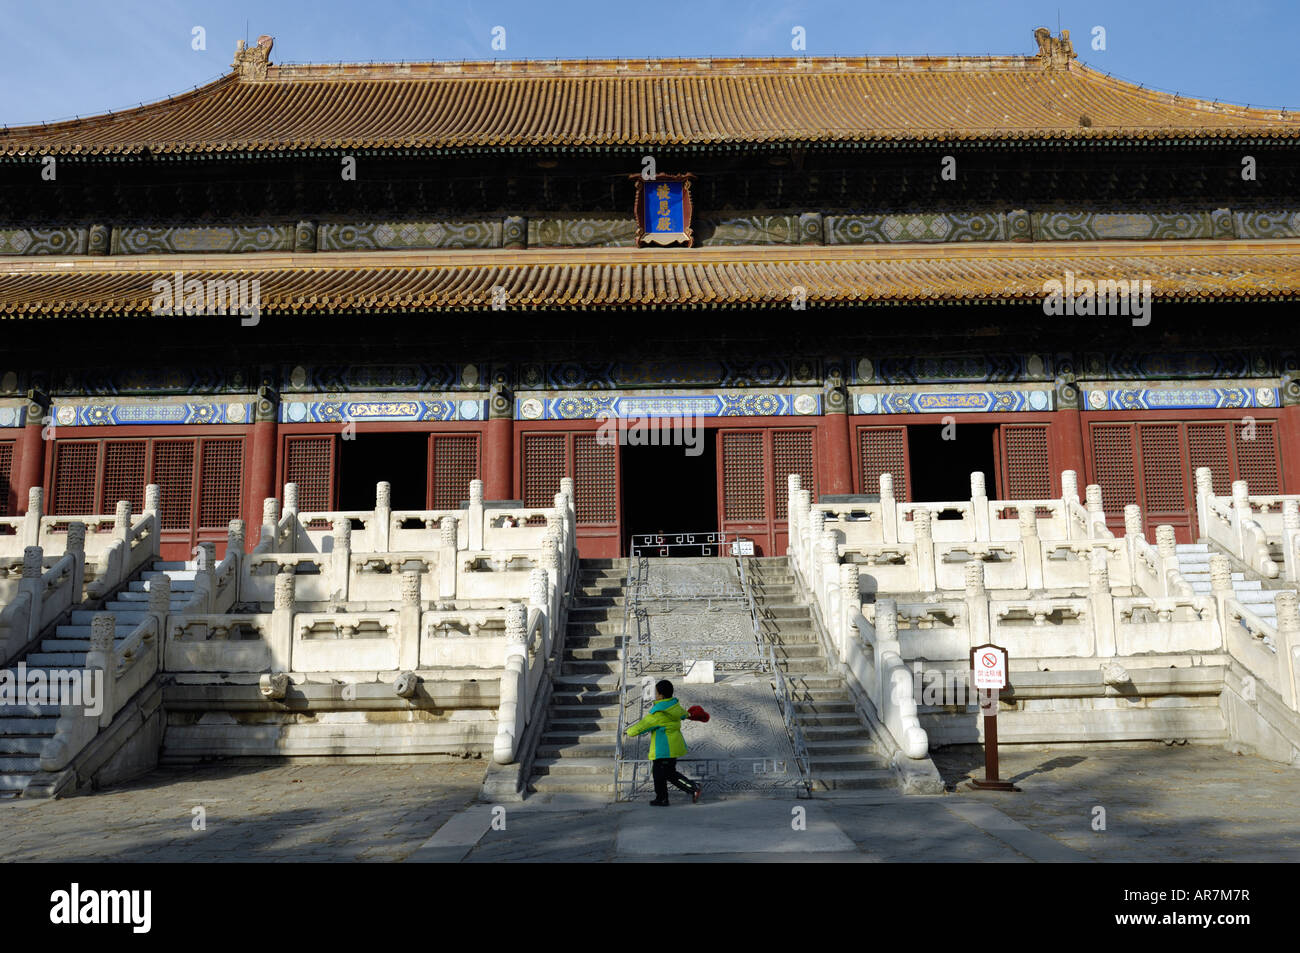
731 827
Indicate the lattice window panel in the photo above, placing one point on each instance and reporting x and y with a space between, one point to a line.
124 465
1112 466
220 482
883 450
6 469
173 471
792 452
76 467
309 463
1163 488
594 490
1029 472
544 467
743 479
1257 458
454 464
1207 446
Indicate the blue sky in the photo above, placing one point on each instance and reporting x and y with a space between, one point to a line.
78 57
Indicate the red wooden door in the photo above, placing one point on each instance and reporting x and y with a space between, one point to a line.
744 508
453 463
883 450
8 505
549 456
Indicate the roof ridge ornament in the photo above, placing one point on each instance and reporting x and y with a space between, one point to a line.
1055 52
252 63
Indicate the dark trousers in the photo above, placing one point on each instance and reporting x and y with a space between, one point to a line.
665 773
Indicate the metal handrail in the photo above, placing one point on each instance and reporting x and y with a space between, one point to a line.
783 699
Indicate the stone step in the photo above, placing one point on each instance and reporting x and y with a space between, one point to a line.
175 575
844 733
571 684
580 767
827 707
20 764
12 784
586 700
587 667
820 765
74 645
811 722
13 725
580 627
83 631
27 711
585 712
562 784
814 665
29 745
585 641
1192 547
576 727
583 654
58 659
853 780
768 610
132 616
550 749
135 601
163 565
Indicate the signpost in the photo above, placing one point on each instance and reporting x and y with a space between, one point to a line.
988 664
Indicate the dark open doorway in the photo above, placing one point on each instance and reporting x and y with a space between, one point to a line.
400 458
940 469
670 489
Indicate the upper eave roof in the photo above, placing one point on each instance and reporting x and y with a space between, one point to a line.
659 278
627 103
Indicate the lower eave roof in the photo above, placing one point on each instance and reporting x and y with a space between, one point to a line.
649 278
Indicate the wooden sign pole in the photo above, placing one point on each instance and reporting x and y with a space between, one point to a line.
989 671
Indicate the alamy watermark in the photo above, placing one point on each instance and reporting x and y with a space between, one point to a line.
41 686
216 296
1107 297
682 431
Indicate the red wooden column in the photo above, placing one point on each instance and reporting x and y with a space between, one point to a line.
262 463
1289 446
838 443
1067 445
29 467
498 452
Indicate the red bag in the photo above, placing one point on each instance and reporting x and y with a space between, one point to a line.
696 713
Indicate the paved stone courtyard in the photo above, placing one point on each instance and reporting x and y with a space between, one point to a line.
1161 804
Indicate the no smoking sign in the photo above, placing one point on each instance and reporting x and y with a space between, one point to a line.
989 665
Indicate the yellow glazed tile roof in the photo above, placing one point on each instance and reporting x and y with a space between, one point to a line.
753 276
655 102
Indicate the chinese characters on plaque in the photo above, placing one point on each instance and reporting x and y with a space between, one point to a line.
663 210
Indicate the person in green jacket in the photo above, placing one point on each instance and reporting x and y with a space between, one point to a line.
666 744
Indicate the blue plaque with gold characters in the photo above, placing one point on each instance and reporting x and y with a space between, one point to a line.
663 210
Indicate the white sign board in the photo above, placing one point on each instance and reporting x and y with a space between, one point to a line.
990 668
742 547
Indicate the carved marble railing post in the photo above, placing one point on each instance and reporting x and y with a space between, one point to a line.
103 630
1102 605
1069 495
289 543
1241 513
886 626
828 573
816 526
1132 534
1204 491
977 603
1031 547
32 519
448 530
799 544
160 607
408 622
475 515
267 539
153 501
555 581
926 569
122 526
1096 512
1167 547
381 525
1290 537
979 503
34 586
850 606
75 546
1288 637
570 512
341 560
888 509
793 515
513 714
281 640
205 575
539 598
1221 590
